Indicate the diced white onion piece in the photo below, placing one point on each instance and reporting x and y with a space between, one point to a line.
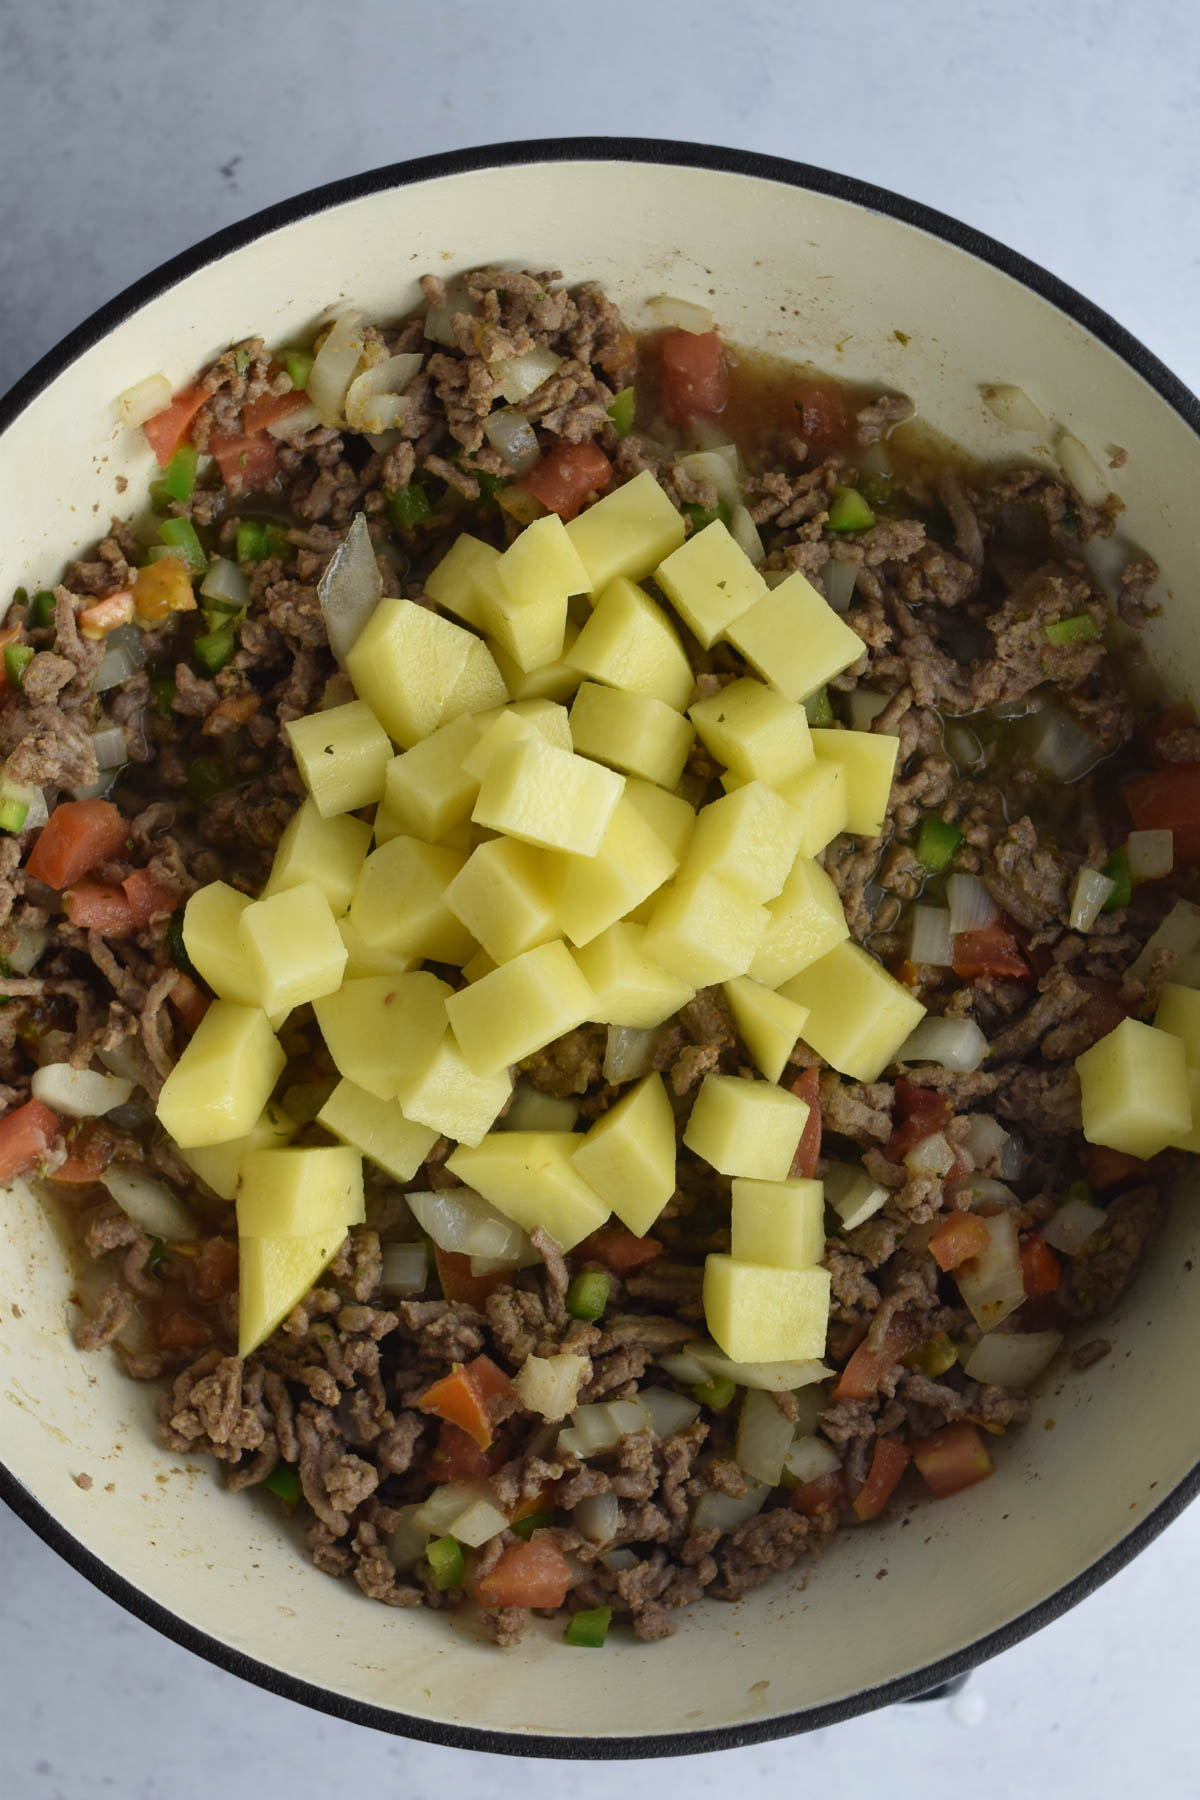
809 1458
374 399
223 580
1072 1225
149 1202
592 1431
37 816
956 1044
744 533
718 466
1179 933
764 1438
1151 854
808 1404
549 1385
710 434
627 1055
1088 897
876 459
971 906
439 327
1012 1358
838 578
121 1061
1012 1159
598 1517
1186 972
334 366
510 432
1060 747
772 1377
30 947
447 1503
405 1269
481 1521
296 423
350 588
520 376
131 640
628 1417
680 315
145 398
986 1190
406 1545
382 441
669 1412
964 747
992 1284
116 666
722 1512
617 1560
110 750
1082 470
934 1155
79 1093
463 1222
864 707
95 790
1013 407
683 1367
987 1141
932 941
854 1195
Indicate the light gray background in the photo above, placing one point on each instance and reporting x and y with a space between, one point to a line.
129 130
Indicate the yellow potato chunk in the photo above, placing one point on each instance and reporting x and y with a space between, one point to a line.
381 1029
341 755
531 1110
858 1016
456 581
547 796
293 947
587 894
746 1127
378 1129
292 1193
749 839
1135 1090
530 1177
502 895
218 1165
551 681
210 936
780 1224
223 1079
703 930
275 1273
480 964
630 643
525 597
804 922
755 731
426 790
448 1096
632 732
820 795
400 901
519 1008
367 959
628 532
768 1024
869 759
1179 1013
404 663
710 581
1190 1140
479 686
628 1156
671 816
328 851
629 988
530 718
795 640
760 1314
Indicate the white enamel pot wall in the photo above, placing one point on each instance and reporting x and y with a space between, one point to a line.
790 260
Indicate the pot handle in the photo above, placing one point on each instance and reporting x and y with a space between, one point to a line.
954 1686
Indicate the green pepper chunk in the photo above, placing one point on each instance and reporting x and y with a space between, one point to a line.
162 687
205 779
848 511
41 610
1082 1190
180 535
277 541
716 1393
1117 871
447 1564
621 411
17 658
818 708
536 1521
588 1294
701 516
934 1357
587 1630
1081 628
20 596
251 541
286 1483
937 842
214 649
179 476
177 949
298 364
408 506
12 815
876 490
241 359
489 485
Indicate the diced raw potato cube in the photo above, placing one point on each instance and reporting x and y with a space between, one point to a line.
540 718
768 1023
377 1128
749 839
400 901
525 597
1179 1013
869 759
628 1156
328 851
479 686
703 930
450 1098
858 1016
552 681
460 838
628 532
746 1127
759 1314
672 817
380 1030
778 1223
455 582
293 947
218 1165
210 937
754 731
820 795
544 795
426 789
1135 1090
368 959
632 732
273 1274
587 894
531 1110
502 895
519 1008
710 581
795 640
404 663
481 964
223 1079
804 922
341 755
629 988
292 1193
630 643
1190 1140
531 1178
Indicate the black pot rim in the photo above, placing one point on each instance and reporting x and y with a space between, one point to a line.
661 153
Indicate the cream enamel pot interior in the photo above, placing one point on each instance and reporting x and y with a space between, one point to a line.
791 260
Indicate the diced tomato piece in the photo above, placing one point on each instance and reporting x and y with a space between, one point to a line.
861 1377
532 1574
458 1283
824 1495
100 906
189 1001
542 1501
618 1250
807 1086
257 415
1103 1011
459 1458
148 897
468 1397
25 1137
887 1466
214 1272
695 376
246 463
953 1459
919 1113
993 950
491 1381
1107 1168
823 420
103 616
1040 1268
77 835
1169 800
169 428
567 476
180 1330
958 1237
89 1152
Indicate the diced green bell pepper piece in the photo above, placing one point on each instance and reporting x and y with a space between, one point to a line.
1117 871
12 815
179 476
17 658
701 516
1081 628
298 364
286 1483
588 1294
537 1521
716 1394
41 610
819 709
408 506
206 779
176 948
251 541
180 535
214 649
587 1630
937 842
848 511
447 1564
621 411
934 1357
